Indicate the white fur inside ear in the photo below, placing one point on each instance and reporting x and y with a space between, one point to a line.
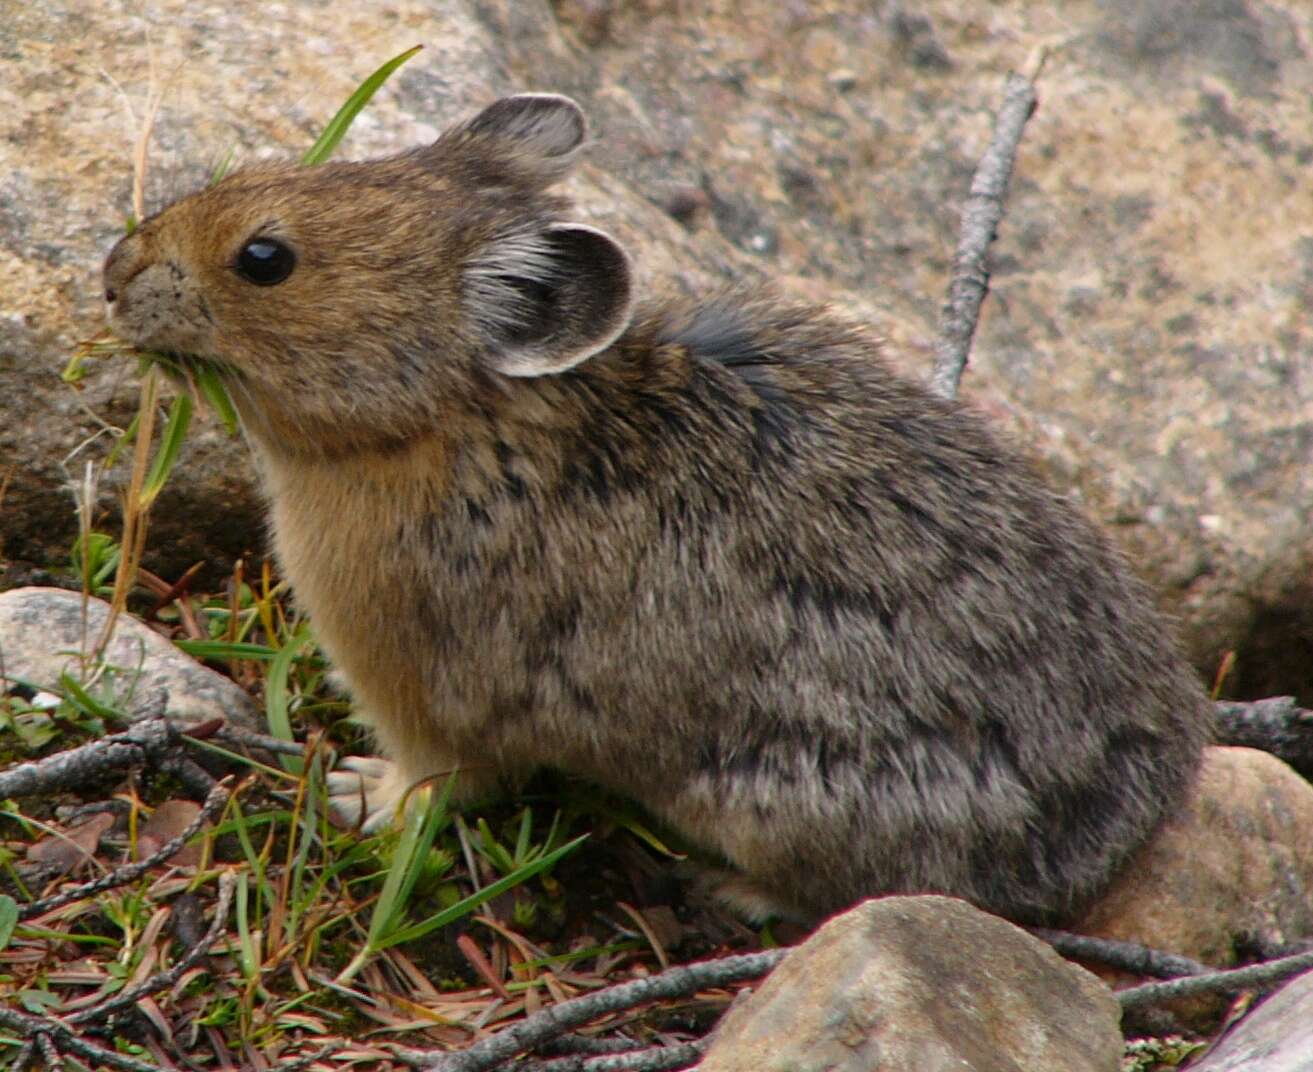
549 299
502 308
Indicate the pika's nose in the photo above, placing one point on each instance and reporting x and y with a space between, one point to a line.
124 261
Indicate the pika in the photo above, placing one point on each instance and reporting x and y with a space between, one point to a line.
714 555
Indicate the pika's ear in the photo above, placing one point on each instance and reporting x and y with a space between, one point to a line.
546 301
543 129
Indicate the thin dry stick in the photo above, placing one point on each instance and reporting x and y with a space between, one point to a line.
86 502
134 515
28 1051
48 1051
64 770
51 1035
326 1050
543 1026
1127 956
649 1059
1253 977
165 979
1276 724
640 921
153 739
213 805
585 1046
980 219
141 150
241 738
148 740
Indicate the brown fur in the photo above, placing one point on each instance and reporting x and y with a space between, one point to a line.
726 562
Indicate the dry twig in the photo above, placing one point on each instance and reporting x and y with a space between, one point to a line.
1251 977
1275 725
165 979
980 219
1127 956
576 1045
141 743
51 1034
648 1059
543 1026
64 770
213 805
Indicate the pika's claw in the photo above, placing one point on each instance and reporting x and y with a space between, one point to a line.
751 900
366 791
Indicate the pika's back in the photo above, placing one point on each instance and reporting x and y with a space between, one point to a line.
854 608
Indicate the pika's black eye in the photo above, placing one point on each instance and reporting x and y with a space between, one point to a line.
265 261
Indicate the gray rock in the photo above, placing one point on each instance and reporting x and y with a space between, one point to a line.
1277 1036
1152 317
41 636
921 984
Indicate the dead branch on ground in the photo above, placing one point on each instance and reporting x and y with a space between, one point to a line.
980 219
542 1027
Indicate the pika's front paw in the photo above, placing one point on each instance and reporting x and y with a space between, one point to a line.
367 792
750 900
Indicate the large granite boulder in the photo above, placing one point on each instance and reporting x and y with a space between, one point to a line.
1149 330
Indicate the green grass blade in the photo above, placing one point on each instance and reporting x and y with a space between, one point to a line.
8 918
298 901
85 702
222 649
277 696
74 370
470 903
340 123
224 165
553 832
562 959
526 831
237 758
25 930
492 850
175 430
435 818
239 826
643 833
242 824
421 827
248 956
216 394
404 863
124 441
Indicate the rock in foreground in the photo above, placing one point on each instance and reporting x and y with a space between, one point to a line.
921 984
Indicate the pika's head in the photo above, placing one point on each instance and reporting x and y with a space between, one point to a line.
350 303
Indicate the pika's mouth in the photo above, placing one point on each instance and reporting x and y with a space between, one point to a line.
202 375
185 367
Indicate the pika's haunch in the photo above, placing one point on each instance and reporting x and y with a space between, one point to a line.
716 556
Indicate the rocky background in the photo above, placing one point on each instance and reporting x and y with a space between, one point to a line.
1150 327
